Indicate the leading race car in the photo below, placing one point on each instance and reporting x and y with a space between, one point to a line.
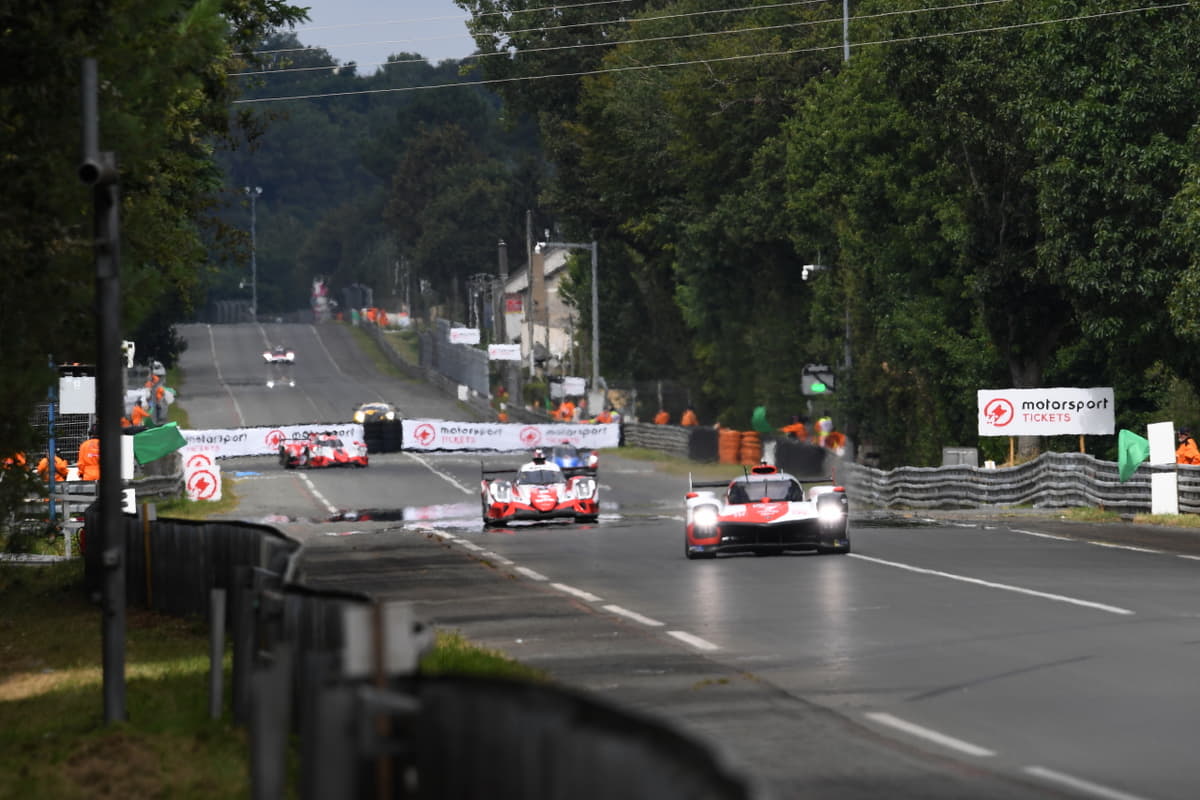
279 355
765 511
574 461
318 450
536 492
374 412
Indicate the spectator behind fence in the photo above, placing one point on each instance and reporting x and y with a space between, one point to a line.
689 417
662 417
139 415
1186 452
60 468
89 458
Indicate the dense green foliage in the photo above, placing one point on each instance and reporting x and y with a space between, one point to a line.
1001 195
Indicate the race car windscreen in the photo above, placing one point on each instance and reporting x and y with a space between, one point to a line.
540 476
775 490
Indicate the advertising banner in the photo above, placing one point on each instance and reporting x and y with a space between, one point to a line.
464 336
514 304
233 442
432 434
1046 412
504 352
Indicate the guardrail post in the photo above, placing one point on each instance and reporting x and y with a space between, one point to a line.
216 652
270 723
243 641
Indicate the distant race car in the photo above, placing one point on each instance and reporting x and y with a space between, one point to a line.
765 511
574 461
374 412
279 355
318 450
537 491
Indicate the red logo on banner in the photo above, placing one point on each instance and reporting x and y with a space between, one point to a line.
199 460
202 485
425 434
275 438
530 436
513 304
999 412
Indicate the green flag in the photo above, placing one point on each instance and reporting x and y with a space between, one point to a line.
157 442
758 420
1132 450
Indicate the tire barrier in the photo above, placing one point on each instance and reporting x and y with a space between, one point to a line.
384 436
729 445
702 444
750 449
804 460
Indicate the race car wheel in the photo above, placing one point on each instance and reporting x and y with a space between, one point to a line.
693 555
586 519
826 550
283 458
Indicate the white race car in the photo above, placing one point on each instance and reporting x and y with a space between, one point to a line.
279 355
764 511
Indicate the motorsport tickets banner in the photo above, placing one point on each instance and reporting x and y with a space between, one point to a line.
432 434
231 442
1046 412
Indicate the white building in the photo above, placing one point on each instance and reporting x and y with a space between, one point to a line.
554 323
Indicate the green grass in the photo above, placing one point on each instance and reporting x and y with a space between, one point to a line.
183 508
54 742
373 351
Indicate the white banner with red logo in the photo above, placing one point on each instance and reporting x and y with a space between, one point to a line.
432 434
1046 412
202 477
232 442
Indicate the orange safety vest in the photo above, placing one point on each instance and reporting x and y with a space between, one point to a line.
689 418
60 468
89 460
139 415
662 418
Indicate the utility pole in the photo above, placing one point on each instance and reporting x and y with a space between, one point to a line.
529 288
253 195
99 170
593 246
846 30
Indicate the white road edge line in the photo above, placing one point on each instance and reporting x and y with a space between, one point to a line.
212 344
950 742
633 615
694 641
1191 558
448 478
1080 785
472 546
533 576
1129 547
580 593
494 556
1043 535
308 482
992 585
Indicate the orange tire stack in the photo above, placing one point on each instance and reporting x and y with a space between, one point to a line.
750 452
729 445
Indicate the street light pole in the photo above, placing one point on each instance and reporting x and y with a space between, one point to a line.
594 247
253 194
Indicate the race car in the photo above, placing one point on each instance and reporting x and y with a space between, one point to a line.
374 412
574 461
764 511
318 450
279 355
536 492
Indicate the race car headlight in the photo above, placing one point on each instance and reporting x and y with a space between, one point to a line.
831 512
705 517
390 415
359 416
593 461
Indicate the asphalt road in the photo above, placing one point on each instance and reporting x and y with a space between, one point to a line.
956 655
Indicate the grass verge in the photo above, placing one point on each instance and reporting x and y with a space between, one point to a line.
54 742
183 508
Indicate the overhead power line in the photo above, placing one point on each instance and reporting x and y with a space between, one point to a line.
743 57
646 40
418 20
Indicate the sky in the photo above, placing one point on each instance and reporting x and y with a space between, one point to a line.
368 31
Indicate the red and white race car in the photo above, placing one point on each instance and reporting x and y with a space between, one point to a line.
765 511
317 450
536 492
279 355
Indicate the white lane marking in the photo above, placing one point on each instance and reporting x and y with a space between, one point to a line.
1080 785
580 593
1191 558
472 546
496 557
448 478
992 585
1129 547
1044 535
328 354
930 735
212 344
308 482
533 576
633 615
694 641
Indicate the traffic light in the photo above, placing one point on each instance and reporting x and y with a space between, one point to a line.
817 379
